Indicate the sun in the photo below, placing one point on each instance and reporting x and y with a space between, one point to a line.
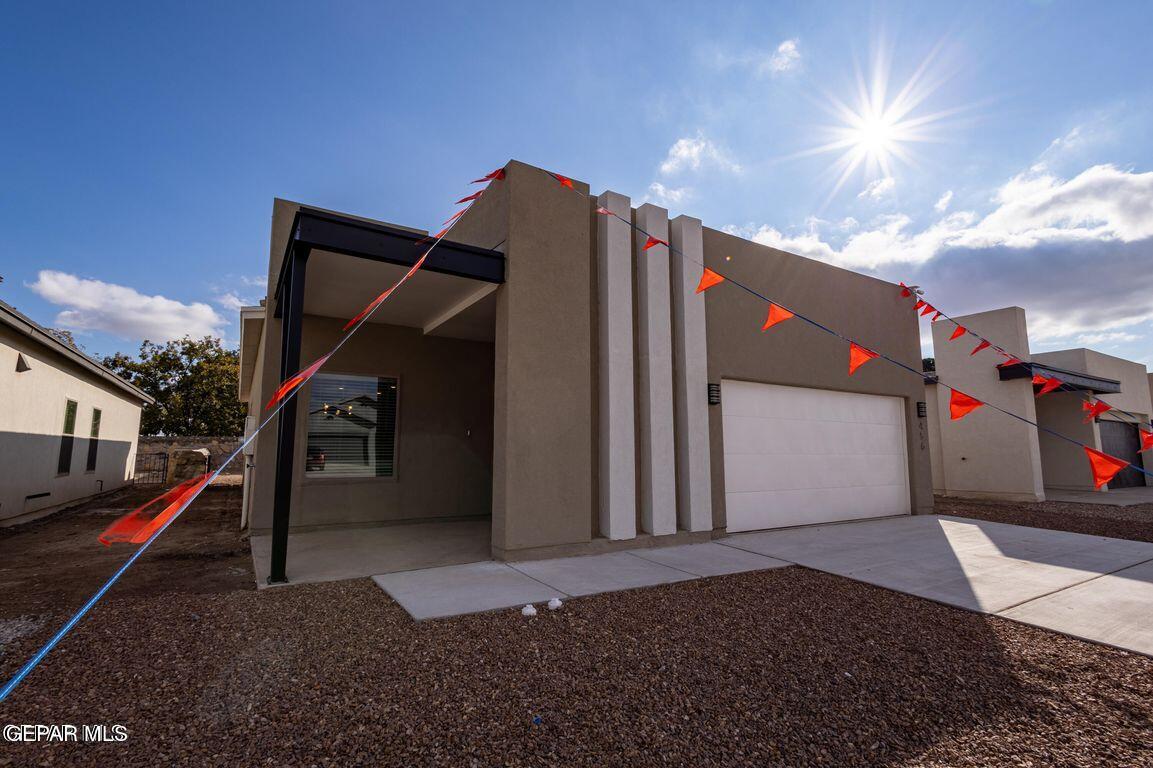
874 132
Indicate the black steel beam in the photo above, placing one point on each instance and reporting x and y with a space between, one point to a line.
291 326
1074 379
321 230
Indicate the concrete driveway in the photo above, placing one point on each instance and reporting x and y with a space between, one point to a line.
1090 587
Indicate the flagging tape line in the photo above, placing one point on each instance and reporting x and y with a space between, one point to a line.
919 374
53 641
1010 356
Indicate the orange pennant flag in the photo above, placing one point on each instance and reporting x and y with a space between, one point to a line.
936 317
653 241
777 314
918 305
604 211
1103 465
858 356
1093 410
709 278
292 382
473 196
1047 384
905 292
497 175
565 181
960 404
372 305
1146 441
958 332
135 527
928 308
979 347
456 216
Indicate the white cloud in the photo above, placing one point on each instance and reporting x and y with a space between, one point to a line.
878 188
231 301
93 305
667 195
943 202
693 154
787 57
1075 252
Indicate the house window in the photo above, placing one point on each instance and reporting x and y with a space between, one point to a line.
351 426
94 442
64 463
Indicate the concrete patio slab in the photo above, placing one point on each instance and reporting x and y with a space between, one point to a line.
709 559
458 589
1087 586
352 553
600 573
1113 609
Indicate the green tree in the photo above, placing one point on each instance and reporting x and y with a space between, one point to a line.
194 382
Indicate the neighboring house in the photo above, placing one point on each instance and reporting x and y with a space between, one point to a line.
68 425
545 370
990 454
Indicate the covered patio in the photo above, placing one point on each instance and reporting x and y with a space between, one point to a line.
384 460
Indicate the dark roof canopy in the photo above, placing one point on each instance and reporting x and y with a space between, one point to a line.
1075 379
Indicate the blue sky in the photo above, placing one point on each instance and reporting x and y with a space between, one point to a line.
143 144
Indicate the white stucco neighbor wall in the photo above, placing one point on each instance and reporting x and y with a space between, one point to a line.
31 423
987 453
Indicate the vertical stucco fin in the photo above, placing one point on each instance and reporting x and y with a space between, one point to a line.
655 361
690 378
617 438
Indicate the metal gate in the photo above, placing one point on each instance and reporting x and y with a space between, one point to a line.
1121 440
151 469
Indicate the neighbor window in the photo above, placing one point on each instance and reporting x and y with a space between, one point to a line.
94 442
64 463
351 426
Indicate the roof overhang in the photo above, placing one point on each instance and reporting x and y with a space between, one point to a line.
1074 379
324 231
251 329
27 327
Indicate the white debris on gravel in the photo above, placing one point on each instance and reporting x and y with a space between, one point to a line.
528 610
21 626
555 604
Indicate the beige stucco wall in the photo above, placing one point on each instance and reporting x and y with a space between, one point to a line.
444 431
1134 395
796 354
32 421
987 453
1064 463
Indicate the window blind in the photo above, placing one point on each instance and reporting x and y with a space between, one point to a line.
351 426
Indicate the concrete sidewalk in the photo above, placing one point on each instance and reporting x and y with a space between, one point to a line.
1090 587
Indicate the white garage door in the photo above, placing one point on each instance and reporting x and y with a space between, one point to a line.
797 456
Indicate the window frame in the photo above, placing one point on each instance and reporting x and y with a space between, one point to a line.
67 438
319 478
92 458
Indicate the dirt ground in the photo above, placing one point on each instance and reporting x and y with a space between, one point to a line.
787 667
1134 522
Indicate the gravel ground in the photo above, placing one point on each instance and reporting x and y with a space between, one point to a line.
1134 522
786 667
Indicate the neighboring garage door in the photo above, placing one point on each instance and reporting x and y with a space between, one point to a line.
797 456
1123 441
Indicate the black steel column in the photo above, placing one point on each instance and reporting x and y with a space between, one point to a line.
291 324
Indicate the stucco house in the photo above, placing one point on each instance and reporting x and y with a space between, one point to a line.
546 374
68 425
988 454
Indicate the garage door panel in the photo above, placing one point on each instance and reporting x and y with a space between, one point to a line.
776 436
751 472
797 456
776 509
